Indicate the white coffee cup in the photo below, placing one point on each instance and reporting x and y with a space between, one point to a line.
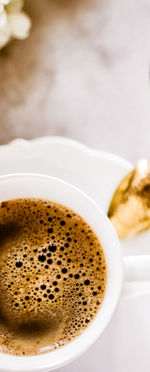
41 186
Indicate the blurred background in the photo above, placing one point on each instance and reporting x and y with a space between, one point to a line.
83 73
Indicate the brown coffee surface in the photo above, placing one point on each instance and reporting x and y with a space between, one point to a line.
52 276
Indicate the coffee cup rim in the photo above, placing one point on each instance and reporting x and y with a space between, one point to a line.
111 246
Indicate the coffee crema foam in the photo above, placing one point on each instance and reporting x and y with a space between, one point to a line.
52 276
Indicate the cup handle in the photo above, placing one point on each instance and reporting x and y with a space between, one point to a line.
137 275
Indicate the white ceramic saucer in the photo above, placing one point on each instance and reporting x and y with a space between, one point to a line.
124 347
96 172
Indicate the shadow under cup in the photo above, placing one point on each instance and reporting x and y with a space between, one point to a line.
50 188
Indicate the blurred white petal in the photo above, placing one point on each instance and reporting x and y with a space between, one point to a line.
1 8
20 25
13 22
3 20
4 2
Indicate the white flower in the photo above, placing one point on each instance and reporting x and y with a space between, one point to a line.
13 21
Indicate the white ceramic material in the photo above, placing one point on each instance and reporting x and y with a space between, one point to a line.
40 186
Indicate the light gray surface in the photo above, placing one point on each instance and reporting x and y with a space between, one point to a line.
83 73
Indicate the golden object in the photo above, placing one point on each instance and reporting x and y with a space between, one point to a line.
129 210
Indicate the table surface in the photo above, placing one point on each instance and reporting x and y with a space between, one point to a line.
83 73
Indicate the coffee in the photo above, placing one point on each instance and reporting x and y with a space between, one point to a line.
52 276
